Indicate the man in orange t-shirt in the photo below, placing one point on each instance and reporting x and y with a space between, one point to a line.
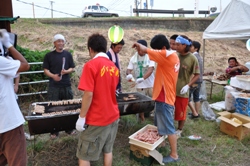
164 90
99 116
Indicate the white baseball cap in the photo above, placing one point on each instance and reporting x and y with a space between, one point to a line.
58 37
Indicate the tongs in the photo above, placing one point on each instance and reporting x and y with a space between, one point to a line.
117 93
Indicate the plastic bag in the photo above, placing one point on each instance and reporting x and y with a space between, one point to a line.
229 98
203 91
207 111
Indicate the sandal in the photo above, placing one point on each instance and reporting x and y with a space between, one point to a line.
194 117
169 159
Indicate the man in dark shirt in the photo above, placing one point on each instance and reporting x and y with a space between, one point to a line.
58 65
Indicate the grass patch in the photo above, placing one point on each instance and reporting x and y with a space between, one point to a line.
215 148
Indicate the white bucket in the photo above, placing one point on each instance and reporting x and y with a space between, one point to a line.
248 66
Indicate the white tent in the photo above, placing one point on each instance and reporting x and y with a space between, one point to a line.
232 23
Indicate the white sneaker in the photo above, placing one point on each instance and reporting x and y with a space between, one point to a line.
178 133
28 137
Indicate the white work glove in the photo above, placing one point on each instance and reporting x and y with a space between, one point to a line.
129 77
139 80
80 124
5 38
184 89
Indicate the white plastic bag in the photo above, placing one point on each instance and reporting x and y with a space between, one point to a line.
207 111
229 98
203 91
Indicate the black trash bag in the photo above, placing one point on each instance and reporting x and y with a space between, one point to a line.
207 111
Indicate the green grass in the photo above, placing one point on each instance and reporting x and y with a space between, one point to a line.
215 148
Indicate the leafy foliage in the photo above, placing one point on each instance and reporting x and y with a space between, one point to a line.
33 56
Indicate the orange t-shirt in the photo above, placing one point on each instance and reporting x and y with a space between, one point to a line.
166 74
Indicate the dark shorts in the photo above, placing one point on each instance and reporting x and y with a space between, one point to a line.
60 93
13 147
195 93
95 140
164 118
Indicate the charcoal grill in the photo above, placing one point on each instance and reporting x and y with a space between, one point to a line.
39 124
142 103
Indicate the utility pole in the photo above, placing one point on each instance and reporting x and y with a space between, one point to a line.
136 6
33 9
151 4
196 8
51 4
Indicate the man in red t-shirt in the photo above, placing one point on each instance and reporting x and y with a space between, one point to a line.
99 116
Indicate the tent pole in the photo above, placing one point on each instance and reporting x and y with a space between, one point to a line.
203 56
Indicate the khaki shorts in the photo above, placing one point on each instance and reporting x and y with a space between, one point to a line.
95 140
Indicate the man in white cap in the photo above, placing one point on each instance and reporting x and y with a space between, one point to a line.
57 65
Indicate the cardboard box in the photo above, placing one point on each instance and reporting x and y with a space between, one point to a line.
242 110
232 128
144 152
140 155
243 106
243 100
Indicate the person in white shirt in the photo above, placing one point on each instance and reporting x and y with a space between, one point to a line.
143 68
12 139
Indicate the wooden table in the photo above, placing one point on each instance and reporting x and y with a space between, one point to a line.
212 82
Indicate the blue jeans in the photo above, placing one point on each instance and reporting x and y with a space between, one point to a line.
164 118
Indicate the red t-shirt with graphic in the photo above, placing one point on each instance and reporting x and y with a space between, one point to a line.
100 76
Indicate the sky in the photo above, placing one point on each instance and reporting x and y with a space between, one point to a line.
73 8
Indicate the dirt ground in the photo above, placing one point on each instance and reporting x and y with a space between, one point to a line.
36 36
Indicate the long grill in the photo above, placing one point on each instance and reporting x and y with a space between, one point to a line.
62 115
